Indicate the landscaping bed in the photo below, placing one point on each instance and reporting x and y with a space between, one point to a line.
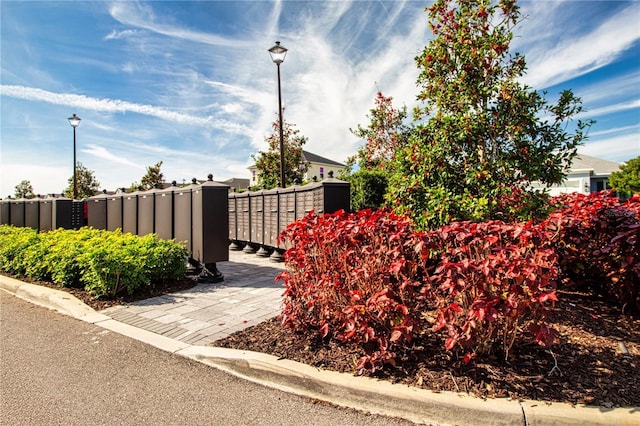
592 366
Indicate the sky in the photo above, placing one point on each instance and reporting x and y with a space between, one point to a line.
191 83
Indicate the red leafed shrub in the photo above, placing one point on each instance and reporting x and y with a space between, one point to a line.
368 278
491 280
597 239
357 277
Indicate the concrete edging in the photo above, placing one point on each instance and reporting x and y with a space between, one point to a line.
361 393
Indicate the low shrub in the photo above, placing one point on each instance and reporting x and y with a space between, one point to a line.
103 262
597 238
14 242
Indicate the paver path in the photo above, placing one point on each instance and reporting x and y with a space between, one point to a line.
209 312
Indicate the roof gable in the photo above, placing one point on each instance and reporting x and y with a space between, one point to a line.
315 158
597 165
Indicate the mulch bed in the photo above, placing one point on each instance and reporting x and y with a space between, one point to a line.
596 361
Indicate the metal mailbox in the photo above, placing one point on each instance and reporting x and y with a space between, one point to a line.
130 213
164 213
32 213
146 212
183 215
256 217
114 212
271 220
97 211
45 222
243 205
5 212
210 222
17 212
62 213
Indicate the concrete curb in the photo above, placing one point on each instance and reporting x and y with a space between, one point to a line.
362 393
57 300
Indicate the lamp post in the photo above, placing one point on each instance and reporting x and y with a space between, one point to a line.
278 54
74 120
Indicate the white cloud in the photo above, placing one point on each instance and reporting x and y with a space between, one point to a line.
116 105
620 148
115 35
563 58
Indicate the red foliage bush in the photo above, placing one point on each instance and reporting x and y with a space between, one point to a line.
491 279
597 238
369 278
357 277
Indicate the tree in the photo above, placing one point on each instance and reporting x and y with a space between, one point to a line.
268 162
626 181
483 136
88 186
24 190
384 136
153 178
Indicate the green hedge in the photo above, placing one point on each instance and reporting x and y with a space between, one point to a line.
105 263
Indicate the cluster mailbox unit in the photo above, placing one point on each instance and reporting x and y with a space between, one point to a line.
195 215
257 218
43 214
204 217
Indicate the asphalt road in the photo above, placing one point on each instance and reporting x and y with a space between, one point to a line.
55 370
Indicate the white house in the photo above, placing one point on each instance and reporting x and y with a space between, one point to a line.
318 167
587 174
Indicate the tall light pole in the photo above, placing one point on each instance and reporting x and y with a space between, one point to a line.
278 54
74 120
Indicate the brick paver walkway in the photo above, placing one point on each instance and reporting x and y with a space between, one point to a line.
209 312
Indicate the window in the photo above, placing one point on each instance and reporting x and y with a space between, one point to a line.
321 172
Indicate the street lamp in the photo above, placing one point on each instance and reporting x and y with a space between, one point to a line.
278 54
74 120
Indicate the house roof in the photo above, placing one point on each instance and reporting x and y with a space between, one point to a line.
315 158
238 183
598 166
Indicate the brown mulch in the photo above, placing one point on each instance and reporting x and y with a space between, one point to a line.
595 362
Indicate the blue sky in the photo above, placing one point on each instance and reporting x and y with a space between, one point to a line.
191 83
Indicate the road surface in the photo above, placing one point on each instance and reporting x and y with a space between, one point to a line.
55 370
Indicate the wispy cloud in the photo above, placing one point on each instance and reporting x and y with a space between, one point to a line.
102 153
618 148
116 105
556 61
115 35
142 15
